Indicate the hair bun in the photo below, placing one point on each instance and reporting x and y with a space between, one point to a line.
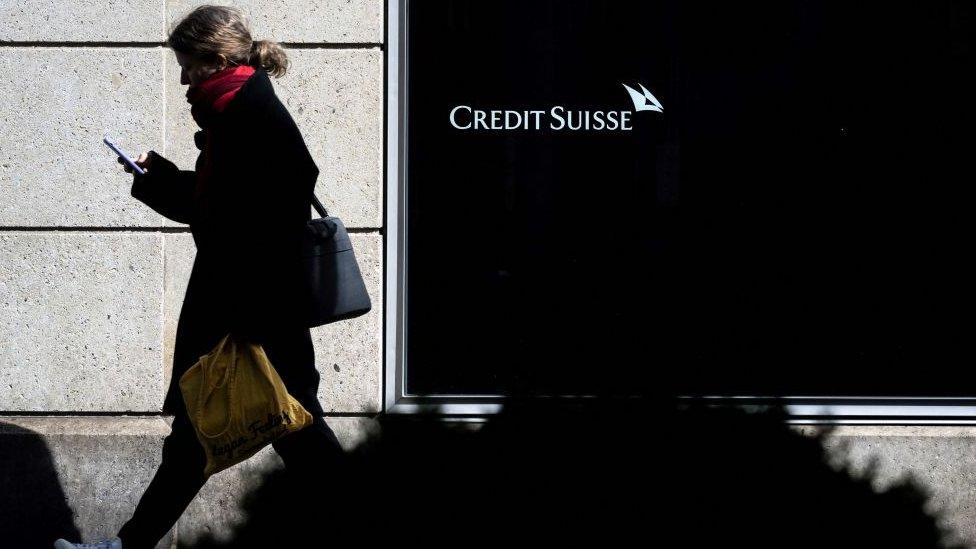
269 56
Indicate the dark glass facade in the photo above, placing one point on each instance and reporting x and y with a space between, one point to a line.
796 220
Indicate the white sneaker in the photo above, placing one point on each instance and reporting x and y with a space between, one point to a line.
114 543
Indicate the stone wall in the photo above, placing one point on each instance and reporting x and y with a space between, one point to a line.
91 280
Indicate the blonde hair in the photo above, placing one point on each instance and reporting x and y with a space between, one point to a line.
209 30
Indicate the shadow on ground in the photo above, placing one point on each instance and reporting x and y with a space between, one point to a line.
33 507
603 473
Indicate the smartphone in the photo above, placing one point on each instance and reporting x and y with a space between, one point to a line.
125 158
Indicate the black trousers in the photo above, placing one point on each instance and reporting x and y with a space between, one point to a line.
309 453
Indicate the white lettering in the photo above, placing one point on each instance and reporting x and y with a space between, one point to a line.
518 118
479 119
494 119
532 119
537 113
598 119
579 120
624 118
454 111
555 114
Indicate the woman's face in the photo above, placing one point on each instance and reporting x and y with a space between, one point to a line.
193 70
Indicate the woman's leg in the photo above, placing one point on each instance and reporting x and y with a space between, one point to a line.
292 352
177 481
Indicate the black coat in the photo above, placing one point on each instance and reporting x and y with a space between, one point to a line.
247 220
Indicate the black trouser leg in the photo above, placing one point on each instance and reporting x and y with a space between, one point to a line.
311 451
311 454
177 481
315 477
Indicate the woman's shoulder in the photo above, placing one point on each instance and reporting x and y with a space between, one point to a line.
260 108
261 121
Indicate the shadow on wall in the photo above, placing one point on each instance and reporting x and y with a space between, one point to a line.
33 508
603 473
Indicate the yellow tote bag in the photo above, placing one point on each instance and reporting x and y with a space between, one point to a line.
237 403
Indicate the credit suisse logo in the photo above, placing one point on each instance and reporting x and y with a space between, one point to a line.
556 117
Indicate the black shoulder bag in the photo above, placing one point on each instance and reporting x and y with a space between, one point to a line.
334 282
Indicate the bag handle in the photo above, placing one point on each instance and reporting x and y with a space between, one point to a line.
318 205
228 378
279 402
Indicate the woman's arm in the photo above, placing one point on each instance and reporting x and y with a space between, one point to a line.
166 189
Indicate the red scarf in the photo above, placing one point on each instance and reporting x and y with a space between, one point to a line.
209 98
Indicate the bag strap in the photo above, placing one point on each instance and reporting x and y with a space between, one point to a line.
228 378
318 206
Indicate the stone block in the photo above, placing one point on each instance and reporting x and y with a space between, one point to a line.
348 353
217 510
58 103
180 251
317 21
81 21
180 127
82 321
81 477
942 459
336 99
74 477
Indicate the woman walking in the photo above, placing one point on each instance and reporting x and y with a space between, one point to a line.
247 203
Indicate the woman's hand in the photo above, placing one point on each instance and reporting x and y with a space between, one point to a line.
144 161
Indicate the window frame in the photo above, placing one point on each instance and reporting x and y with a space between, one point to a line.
834 410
